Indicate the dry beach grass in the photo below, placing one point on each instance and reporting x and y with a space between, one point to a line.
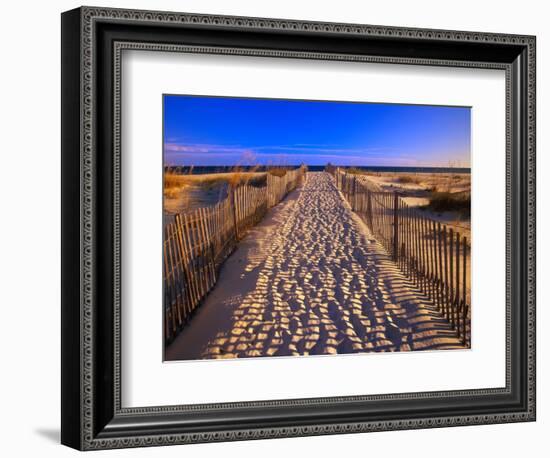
184 191
444 197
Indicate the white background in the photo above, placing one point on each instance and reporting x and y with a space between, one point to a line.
30 244
149 74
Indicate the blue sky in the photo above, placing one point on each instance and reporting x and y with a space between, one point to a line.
203 131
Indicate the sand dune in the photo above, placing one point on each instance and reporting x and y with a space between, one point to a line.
311 280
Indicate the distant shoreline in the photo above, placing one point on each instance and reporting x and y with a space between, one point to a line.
206 169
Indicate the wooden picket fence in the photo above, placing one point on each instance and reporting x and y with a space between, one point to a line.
279 187
198 242
432 255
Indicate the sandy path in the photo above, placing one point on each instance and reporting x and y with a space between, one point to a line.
310 280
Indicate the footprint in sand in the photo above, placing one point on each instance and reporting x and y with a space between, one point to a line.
325 286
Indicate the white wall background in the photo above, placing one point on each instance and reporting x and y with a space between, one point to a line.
30 240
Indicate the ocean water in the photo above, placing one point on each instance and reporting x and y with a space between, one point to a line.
200 170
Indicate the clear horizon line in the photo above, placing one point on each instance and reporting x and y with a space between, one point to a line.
323 165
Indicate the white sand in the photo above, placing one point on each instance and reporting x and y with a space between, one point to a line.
311 280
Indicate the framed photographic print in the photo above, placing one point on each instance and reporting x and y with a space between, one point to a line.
278 228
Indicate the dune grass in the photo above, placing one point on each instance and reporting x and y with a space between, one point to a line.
277 171
459 202
175 181
358 171
406 179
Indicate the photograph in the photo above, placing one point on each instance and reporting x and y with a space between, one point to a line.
311 227
267 228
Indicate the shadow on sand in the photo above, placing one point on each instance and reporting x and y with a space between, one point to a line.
309 280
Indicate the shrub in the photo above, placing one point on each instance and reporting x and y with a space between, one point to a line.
277 171
407 179
447 201
173 183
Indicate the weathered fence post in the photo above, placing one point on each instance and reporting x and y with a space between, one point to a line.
354 203
234 210
369 211
395 226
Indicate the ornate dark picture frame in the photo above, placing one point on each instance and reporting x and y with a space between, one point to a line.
92 42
